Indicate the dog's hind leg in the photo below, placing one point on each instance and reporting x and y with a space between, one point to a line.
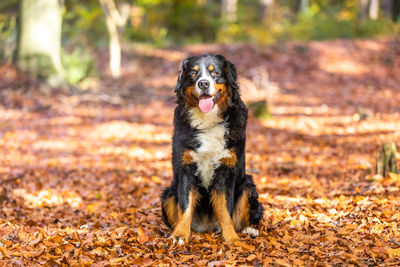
241 214
248 210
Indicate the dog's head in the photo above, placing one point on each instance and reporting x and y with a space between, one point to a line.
206 81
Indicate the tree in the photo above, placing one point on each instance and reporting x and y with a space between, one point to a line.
229 10
387 8
8 14
363 8
265 8
304 4
395 10
39 40
386 159
116 20
392 9
373 9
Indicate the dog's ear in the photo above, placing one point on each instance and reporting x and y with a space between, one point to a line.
231 74
181 76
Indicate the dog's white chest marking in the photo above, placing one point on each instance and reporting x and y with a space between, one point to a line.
212 143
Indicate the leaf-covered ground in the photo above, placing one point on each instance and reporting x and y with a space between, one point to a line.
81 174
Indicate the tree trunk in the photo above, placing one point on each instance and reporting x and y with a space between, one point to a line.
363 8
229 10
395 10
116 20
373 9
386 159
304 4
114 47
387 8
39 41
265 9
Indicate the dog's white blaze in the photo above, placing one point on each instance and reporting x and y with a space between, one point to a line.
212 142
205 75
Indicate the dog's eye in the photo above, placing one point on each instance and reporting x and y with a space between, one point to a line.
193 74
214 73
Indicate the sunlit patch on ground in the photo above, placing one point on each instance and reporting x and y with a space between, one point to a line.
48 198
121 130
64 145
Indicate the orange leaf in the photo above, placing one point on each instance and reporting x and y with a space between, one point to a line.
281 262
143 237
251 257
393 253
3 251
245 246
394 176
267 261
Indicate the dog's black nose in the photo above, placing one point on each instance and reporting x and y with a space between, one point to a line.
204 84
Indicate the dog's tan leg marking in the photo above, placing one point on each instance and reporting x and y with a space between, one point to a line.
241 216
171 210
218 201
182 228
231 160
187 157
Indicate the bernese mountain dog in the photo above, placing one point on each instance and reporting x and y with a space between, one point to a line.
210 190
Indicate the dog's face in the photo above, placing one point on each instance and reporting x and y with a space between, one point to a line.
206 81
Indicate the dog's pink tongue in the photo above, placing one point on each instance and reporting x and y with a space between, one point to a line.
206 104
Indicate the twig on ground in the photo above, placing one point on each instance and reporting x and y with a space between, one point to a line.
12 179
394 241
304 251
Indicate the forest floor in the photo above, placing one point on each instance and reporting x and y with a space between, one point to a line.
81 174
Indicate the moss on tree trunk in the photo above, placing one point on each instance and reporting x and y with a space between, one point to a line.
260 109
386 159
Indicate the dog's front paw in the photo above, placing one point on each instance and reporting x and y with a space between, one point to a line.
177 240
180 237
232 238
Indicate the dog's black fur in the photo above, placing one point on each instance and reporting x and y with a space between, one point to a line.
190 134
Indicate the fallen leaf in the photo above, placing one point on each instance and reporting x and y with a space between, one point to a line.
393 253
142 236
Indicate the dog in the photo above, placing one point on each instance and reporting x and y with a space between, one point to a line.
210 190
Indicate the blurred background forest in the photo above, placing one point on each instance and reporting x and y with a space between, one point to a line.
172 23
